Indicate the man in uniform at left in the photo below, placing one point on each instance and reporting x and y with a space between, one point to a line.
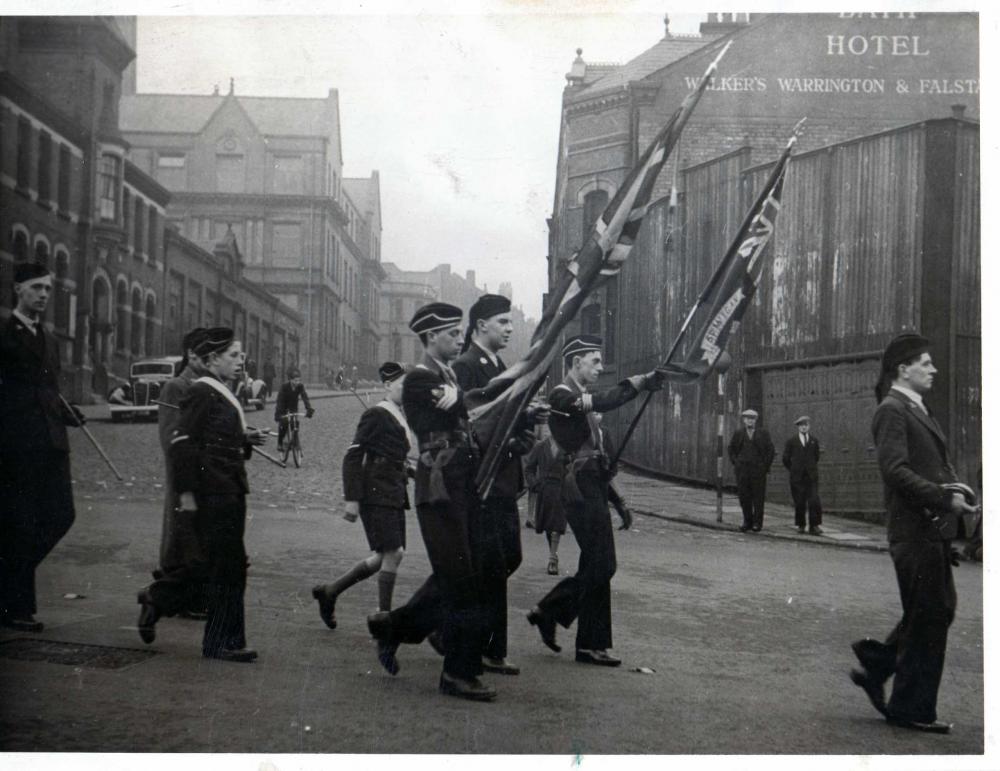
36 496
490 328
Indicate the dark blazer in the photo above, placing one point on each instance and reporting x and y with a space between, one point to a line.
913 459
751 456
474 370
572 422
32 416
209 447
374 469
801 461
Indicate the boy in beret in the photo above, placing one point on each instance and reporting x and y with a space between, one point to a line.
288 401
36 494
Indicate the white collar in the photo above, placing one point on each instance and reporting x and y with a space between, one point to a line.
219 386
911 394
492 356
32 326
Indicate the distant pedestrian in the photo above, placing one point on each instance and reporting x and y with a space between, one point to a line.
801 458
36 494
251 368
374 475
924 501
544 470
354 378
751 452
340 378
269 373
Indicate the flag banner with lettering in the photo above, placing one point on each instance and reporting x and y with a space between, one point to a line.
735 281
501 403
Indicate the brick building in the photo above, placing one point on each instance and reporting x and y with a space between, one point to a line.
881 206
270 170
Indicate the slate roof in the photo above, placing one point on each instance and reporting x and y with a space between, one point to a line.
188 113
665 52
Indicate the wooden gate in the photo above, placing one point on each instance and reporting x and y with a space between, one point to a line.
839 399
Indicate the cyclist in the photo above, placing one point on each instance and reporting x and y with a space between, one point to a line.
288 401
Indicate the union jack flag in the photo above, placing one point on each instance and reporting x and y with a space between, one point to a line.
607 248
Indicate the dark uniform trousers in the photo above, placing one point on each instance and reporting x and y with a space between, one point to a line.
36 511
500 555
453 598
587 595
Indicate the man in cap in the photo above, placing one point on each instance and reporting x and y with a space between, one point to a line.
586 596
924 500
448 511
751 452
489 331
180 551
374 474
801 458
36 496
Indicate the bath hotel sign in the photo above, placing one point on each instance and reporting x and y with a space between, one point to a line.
891 56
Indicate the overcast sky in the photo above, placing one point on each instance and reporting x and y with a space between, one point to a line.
459 114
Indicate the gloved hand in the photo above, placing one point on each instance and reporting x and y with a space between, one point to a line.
310 412
448 398
653 381
76 418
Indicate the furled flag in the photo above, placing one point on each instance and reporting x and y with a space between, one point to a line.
505 398
735 281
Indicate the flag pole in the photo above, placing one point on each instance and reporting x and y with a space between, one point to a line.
703 296
253 447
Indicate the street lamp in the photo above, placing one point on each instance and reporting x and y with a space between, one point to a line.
722 365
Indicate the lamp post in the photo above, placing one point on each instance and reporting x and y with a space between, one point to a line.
722 365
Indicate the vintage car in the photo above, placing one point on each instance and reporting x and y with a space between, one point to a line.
146 378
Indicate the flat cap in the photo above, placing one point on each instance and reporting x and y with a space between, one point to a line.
903 348
391 370
434 317
801 419
581 344
26 271
749 414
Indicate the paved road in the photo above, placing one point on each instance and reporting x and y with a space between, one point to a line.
748 639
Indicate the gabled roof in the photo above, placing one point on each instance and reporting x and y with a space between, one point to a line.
188 114
665 52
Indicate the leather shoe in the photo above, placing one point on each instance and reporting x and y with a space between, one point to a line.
238 655
743 528
600 658
473 689
546 627
22 623
934 727
435 641
874 690
148 616
326 606
386 652
500 666
802 529
816 530
756 529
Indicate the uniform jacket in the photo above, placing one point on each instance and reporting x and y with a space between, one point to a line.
573 424
173 392
913 459
474 370
801 461
209 447
442 467
288 399
32 416
374 469
751 456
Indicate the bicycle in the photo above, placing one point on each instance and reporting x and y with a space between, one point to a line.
292 445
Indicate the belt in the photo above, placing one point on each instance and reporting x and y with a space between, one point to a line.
441 440
224 450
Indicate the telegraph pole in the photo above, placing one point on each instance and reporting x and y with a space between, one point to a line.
722 365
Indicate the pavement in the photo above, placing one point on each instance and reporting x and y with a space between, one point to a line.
732 643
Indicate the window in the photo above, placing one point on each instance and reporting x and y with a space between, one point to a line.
127 216
121 316
174 301
289 175
152 234
138 239
62 292
286 246
65 161
230 176
397 347
20 239
108 186
397 309
23 153
150 330
171 170
136 337
44 166
590 319
42 253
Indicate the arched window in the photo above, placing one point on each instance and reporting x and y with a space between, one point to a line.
136 336
121 316
150 330
42 253
20 246
594 204
62 291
